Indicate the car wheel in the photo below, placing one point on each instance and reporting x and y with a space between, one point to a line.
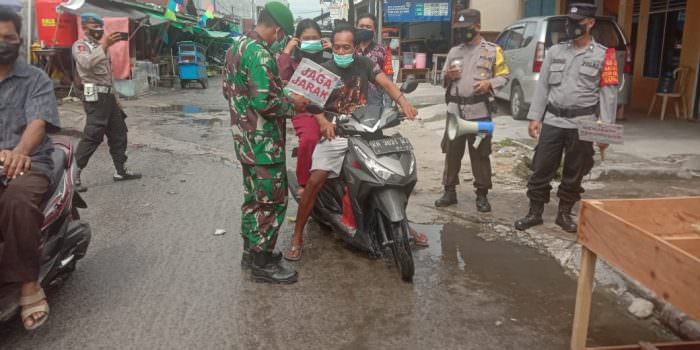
518 108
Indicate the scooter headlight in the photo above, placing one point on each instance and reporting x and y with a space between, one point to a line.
412 167
374 166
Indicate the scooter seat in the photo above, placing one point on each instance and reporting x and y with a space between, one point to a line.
59 166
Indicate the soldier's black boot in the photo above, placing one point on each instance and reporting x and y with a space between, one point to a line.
482 203
533 217
269 267
564 219
247 257
449 197
77 183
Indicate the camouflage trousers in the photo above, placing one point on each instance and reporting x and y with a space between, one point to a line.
264 205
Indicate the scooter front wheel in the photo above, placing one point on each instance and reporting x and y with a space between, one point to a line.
401 248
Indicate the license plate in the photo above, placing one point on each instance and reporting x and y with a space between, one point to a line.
390 145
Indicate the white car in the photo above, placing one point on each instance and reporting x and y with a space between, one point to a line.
524 45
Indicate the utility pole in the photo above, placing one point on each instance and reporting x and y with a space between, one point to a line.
28 40
380 20
351 12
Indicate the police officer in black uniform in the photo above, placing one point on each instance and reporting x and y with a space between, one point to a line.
578 83
104 115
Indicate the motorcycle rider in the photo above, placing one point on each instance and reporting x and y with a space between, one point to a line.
356 72
27 111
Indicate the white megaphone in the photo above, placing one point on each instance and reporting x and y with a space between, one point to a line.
458 127
70 6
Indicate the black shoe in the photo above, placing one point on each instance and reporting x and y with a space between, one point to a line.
126 175
271 268
533 217
449 197
482 203
247 259
564 219
77 183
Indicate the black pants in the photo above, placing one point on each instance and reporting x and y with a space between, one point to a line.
20 227
104 117
578 162
478 157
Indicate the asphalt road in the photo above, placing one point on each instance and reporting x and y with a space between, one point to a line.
155 276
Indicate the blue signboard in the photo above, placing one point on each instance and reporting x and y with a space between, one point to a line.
417 11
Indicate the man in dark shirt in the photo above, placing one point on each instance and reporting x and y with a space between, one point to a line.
356 72
27 111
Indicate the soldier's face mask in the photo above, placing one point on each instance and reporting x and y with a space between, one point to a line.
96 33
576 29
279 43
9 51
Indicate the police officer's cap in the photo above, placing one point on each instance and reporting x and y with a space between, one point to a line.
90 16
282 16
579 11
467 18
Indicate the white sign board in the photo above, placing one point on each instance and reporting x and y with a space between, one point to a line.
592 131
313 82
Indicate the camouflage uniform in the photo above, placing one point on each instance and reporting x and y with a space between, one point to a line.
258 109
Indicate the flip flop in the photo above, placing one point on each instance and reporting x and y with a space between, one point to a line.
29 311
420 240
293 253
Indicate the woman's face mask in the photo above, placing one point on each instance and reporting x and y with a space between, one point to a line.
311 46
364 35
343 61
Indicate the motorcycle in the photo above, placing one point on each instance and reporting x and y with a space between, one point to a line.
378 176
64 237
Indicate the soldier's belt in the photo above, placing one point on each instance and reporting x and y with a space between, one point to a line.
473 99
572 112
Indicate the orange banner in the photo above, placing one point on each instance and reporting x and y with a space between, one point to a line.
609 75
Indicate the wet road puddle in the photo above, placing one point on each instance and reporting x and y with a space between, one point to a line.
533 287
197 115
188 109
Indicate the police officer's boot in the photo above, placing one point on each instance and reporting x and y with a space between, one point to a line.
77 182
269 267
449 197
564 219
533 217
482 202
124 174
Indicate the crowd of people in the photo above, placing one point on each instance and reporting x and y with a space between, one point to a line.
572 87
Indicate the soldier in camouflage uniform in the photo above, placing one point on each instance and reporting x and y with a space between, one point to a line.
258 111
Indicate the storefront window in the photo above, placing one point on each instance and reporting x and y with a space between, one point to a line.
664 37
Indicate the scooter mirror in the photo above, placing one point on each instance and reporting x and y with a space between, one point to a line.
409 85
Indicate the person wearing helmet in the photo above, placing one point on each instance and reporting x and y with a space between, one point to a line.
258 108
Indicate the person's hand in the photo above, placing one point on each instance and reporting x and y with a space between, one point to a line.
453 73
407 109
326 44
300 102
482 87
534 129
111 39
291 45
327 130
14 163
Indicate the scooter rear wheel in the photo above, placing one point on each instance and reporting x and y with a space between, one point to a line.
401 248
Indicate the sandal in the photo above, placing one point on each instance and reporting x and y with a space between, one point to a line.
293 253
420 240
30 306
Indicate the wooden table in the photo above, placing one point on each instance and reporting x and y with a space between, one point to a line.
654 241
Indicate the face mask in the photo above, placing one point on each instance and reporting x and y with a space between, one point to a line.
280 43
574 29
364 34
311 46
8 52
343 61
96 33
470 34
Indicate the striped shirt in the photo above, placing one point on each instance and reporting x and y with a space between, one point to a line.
26 94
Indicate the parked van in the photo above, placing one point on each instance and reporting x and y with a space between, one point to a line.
524 45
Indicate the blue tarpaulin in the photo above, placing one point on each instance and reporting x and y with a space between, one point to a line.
417 11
